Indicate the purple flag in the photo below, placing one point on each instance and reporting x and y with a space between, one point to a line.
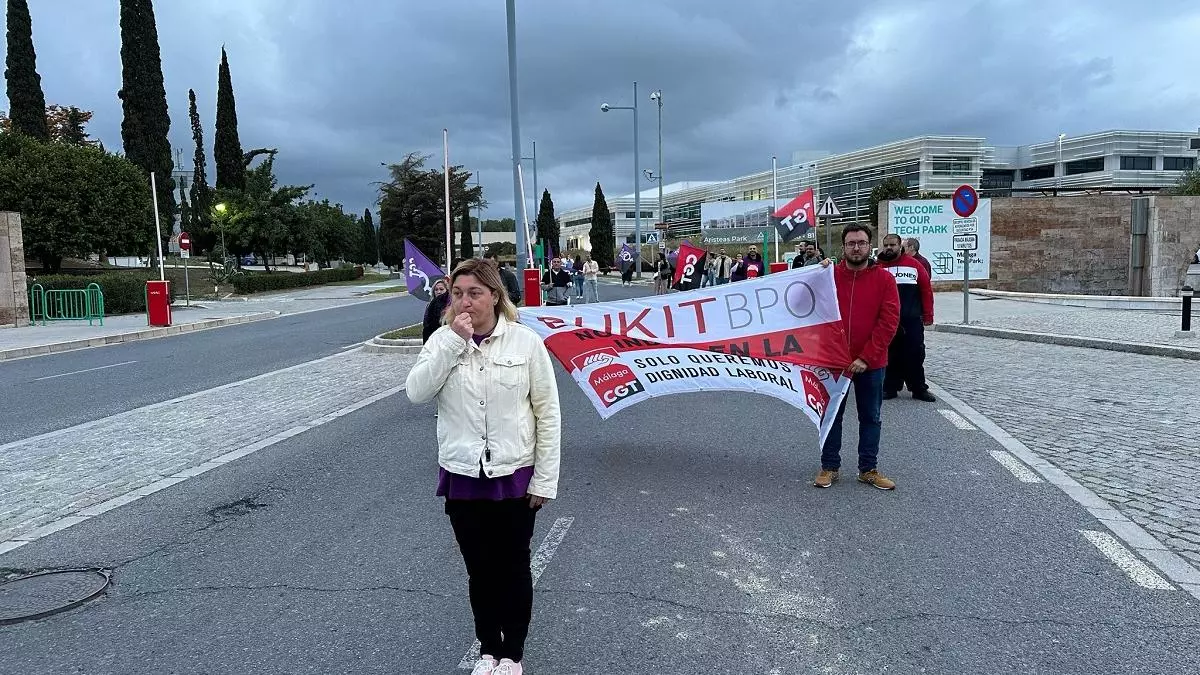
419 272
626 256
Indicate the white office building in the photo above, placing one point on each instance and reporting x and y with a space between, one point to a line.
1134 161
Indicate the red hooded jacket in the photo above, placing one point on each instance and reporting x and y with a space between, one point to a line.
870 307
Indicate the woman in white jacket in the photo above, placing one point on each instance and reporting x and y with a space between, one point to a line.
498 448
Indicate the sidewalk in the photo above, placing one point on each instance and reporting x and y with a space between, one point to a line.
1136 331
64 336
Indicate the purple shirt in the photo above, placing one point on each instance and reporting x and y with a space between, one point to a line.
455 486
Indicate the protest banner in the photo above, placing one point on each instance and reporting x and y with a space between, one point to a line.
780 336
419 272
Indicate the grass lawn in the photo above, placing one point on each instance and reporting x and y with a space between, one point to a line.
413 331
361 281
389 289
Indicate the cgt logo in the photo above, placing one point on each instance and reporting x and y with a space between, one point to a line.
615 383
603 356
815 394
689 268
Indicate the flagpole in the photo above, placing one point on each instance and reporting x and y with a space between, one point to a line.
774 202
446 152
525 213
162 276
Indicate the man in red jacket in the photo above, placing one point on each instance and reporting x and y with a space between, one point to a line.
870 309
906 356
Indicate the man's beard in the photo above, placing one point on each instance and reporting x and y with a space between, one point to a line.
888 255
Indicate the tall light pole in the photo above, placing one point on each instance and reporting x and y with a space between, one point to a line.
536 196
657 98
1060 169
637 172
514 116
774 201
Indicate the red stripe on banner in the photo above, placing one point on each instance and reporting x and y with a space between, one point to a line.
822 345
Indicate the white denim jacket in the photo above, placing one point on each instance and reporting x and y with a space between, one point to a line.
497 403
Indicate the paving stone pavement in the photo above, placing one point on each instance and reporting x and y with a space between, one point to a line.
1125 425
58 474
1122 325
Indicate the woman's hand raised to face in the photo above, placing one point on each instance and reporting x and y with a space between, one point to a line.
462 326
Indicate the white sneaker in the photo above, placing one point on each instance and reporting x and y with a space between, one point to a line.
508 667
486 665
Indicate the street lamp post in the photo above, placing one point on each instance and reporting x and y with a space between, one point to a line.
637 172
1060 169
221 210
536 197
657 98
518 199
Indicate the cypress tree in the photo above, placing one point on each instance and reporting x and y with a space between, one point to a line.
602 235
370 250
227 148
465 247
185 211
146 124
201 194
547 226
27 103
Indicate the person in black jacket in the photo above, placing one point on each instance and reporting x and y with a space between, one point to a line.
436 308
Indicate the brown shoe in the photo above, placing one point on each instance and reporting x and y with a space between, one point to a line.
873 477
825 478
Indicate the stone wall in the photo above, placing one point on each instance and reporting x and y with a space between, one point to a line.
1061 244
1172 241
14 301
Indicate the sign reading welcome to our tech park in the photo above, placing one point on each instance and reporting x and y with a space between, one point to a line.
934 223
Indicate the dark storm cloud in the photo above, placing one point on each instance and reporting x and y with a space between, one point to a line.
339 87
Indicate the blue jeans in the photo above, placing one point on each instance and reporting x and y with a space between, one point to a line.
868 398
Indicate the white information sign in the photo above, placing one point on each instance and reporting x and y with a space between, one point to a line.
934 223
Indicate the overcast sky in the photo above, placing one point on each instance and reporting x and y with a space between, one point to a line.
342 85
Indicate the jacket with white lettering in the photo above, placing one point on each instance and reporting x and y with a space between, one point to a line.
497 403
914 286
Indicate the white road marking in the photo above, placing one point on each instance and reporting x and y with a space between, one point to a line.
147 490
541 558
956 419
1175 567
85 370
1015 466
1138 571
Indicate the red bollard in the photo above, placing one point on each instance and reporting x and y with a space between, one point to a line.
533 287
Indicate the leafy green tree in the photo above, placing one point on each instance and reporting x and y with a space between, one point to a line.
74 200
889 189
502 225
227 147
411 206
547 226
260 219
66 124
934 195
1188 185
26 101
602 235
185 210
146 123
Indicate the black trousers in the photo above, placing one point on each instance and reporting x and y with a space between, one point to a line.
906 358
494 538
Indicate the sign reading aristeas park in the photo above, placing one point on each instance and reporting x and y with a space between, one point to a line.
780 335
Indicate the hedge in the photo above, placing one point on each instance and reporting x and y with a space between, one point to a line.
124 292
247 283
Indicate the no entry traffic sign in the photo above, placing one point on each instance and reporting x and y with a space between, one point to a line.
965 201
185 241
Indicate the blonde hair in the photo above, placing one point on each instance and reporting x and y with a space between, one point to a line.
487 273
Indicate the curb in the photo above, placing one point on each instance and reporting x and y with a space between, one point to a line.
144 334
382 345
1072 341
1117 302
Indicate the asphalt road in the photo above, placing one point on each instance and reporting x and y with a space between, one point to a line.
56 391
697 545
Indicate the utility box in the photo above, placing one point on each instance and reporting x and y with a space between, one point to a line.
533 287
158 303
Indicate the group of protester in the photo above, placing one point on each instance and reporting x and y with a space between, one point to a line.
499 421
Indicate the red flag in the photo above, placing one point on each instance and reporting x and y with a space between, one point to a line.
689 268
797 216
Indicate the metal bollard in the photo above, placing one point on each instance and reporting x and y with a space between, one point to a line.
1186 292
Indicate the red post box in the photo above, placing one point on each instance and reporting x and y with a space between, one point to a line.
533 287
158 303
779 267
